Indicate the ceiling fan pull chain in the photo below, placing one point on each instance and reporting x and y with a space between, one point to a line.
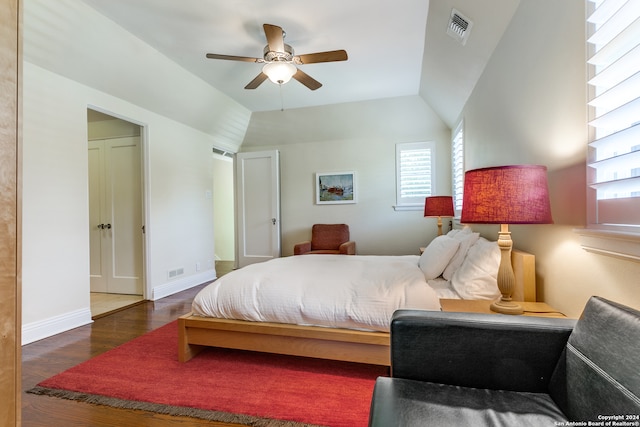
281 98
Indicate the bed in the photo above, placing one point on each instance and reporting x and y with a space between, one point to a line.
366 340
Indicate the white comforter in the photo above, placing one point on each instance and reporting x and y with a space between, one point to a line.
357 292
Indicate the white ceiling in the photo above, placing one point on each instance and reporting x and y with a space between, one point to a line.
391 51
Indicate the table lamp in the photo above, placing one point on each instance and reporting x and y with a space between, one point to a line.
438 206
506 195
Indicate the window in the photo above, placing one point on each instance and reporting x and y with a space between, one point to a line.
457 167
415 174
613 158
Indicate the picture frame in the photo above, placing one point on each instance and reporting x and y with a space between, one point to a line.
335 188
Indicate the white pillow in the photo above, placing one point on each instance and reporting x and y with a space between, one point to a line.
477 276
467 239
437 255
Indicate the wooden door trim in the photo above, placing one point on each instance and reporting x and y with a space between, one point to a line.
10 211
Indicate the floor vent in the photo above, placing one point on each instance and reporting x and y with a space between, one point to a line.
459 27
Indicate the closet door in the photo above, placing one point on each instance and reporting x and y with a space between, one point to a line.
96 202
115 210
258 206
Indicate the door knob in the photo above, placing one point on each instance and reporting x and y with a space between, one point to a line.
101 226
108 226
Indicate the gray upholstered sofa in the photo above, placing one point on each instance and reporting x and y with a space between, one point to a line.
464 369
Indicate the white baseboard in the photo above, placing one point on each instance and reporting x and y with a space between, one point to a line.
183 284
48 327
54 325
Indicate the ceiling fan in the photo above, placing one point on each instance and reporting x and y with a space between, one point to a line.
280 60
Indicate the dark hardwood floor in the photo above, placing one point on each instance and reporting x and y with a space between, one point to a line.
47 357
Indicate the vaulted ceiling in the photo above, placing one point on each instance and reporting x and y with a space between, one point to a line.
395 48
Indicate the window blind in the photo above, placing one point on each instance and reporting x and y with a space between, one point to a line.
414 163
457 167
613 162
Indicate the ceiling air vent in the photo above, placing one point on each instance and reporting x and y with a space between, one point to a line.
459 26
222 152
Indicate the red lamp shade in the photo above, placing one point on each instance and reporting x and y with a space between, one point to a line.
506 195
438 206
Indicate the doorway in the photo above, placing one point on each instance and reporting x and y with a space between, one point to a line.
223 211
116 224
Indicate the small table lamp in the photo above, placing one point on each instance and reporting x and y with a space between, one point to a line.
438 206
506 195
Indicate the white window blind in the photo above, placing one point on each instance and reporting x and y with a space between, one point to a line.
457 167
613 162
414 173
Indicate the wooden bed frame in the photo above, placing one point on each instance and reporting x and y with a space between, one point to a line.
197 333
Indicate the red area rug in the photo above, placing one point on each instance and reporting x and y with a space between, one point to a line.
250 388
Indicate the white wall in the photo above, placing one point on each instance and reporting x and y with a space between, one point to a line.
358 137
55 200
61 80
70 38
529 107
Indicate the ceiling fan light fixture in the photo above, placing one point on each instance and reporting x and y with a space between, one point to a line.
279 72
280 63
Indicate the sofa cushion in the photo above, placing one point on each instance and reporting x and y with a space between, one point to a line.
402 402
598 373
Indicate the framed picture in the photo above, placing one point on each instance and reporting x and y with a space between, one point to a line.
335 188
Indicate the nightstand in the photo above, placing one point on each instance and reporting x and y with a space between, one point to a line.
539 309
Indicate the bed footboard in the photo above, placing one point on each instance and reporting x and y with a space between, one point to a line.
197 333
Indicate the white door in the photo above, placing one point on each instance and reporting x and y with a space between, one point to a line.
115 214
258 200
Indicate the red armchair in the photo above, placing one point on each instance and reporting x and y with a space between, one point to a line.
327 239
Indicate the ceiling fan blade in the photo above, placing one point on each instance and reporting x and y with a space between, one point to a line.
275 37
233 58
307 80
330 56
257 81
